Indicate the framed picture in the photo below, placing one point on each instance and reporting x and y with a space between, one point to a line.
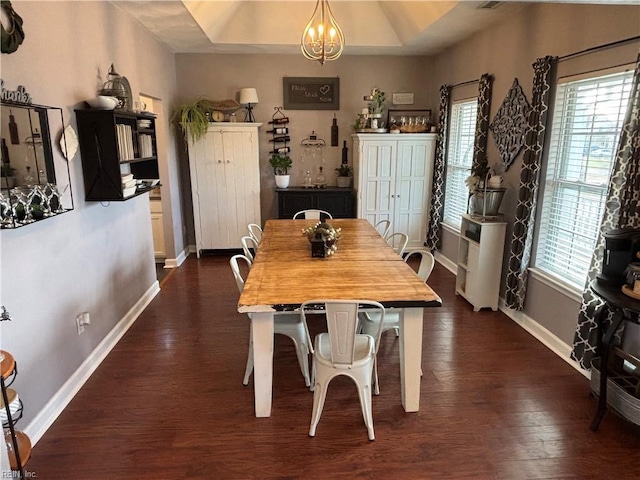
410 121
402 98
311 93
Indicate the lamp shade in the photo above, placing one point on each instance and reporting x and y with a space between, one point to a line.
248 95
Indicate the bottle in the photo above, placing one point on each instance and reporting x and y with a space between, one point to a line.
279 121
279 131
13 129
281 150
5 153
307 178
284 138
28 179
320 180
345 150
334 132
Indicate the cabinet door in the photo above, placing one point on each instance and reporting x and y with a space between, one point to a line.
412 190
473 289
209 174
376 180
239 197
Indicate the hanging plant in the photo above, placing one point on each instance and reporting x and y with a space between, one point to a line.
193 118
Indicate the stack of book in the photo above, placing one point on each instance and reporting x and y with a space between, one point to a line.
125 142
128 185
146 145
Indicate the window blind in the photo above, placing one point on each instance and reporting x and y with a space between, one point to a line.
459 160
587 121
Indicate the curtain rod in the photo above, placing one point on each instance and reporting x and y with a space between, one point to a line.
599 47
465 83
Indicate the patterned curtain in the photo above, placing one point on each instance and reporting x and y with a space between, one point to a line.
622 209
523 226
439 170
482 123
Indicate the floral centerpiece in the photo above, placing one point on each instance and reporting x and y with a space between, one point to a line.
325 232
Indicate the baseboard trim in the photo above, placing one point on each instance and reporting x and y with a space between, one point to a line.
45 418
179 260
446 262
541 334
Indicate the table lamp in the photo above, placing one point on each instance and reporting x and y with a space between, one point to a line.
248 96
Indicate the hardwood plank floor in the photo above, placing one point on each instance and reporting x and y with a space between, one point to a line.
168 403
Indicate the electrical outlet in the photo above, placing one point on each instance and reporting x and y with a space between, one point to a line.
81 321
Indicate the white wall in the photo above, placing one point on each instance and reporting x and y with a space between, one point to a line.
99 257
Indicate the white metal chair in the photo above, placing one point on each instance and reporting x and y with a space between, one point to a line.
255 232
343 351
249 243
383 227
289 325
398 241
313 214
370 321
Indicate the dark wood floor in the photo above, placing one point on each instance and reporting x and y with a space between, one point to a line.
168 403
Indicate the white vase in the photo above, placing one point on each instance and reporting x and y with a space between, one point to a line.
343 182
282 181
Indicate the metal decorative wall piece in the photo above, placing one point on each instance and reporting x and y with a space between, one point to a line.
509 126
13 36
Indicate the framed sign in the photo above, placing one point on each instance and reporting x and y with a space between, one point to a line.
311 93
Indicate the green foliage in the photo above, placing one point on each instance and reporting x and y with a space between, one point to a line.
344 170
192 118
280 163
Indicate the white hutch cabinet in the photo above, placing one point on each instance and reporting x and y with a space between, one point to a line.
480 250
392 176
225 184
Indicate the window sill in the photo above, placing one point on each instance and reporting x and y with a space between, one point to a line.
571 291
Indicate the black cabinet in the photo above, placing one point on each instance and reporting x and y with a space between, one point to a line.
339 202
113 143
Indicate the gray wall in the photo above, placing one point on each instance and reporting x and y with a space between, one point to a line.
99 257
507 50
220 77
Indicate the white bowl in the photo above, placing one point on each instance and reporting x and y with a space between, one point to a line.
103 102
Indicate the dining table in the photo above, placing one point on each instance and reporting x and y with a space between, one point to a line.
364 267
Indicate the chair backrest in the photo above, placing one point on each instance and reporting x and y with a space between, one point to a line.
235 262
313 214
398 241
342 325
383 227
426 262
255 232
249 243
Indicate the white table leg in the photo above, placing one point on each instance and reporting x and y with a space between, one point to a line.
262 362
410 357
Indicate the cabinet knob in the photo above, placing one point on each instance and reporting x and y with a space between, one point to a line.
228 161
219 161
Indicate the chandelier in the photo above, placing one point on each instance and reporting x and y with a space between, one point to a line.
322 38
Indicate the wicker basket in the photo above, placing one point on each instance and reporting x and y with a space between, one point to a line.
621 387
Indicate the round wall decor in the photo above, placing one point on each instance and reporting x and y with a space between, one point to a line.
13 34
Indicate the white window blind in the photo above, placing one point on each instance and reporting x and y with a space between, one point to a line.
459 160
587 121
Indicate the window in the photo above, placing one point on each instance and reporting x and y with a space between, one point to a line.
587 121
459 160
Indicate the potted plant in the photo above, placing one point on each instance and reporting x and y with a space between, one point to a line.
281 165
344 172
193 118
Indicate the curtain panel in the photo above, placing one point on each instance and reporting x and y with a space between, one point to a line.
524 222
482 123
622 209
439 170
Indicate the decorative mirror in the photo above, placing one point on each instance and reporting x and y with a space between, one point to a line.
509 126
34 174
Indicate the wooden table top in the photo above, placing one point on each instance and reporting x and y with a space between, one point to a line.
365 267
